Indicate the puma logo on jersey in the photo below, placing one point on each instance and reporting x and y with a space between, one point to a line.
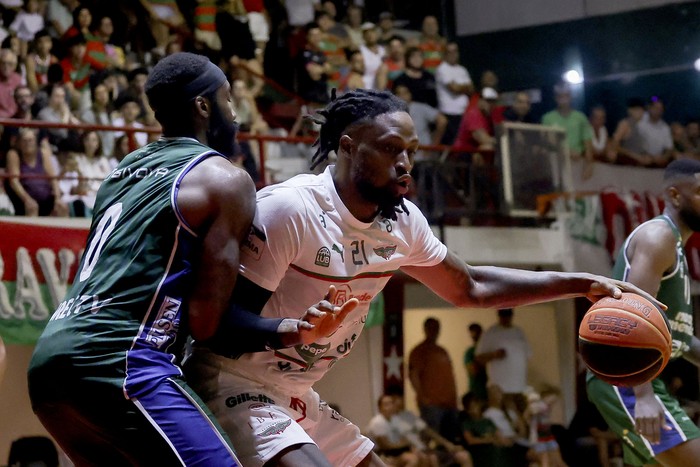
385 252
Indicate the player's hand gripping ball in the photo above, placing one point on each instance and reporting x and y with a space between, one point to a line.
625 341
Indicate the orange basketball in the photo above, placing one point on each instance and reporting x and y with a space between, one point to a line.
625 341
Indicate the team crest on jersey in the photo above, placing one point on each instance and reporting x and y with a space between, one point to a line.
385 252
254 245
323 257
276 428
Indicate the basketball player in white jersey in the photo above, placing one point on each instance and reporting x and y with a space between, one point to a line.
351 227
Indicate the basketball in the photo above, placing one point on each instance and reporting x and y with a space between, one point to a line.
625 341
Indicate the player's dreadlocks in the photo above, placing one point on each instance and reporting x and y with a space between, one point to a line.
352 109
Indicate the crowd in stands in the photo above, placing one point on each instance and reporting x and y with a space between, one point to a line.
73 62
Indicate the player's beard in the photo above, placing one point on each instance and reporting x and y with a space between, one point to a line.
221 135
382 196
690 218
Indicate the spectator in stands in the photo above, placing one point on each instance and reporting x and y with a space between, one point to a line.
24 99
519 111
483 440
101 52
136 88
429 122
128 106
121 149
476 130
259 25
432 377
372 53
681 146
76 71
579 133
59 16
656 134
333 47
355 20
393 447
314 69
33 188
26 24
100 113
628 140
431 43
57 111
417 79
39 59
601 145
301 12
73 187
326 19
164 16
92 164
509 424
454 86
441 452
354 78
387 31
394 63
9 80
692 130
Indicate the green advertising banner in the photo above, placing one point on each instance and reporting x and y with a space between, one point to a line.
38 260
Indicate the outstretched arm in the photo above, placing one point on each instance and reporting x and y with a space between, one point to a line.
468 286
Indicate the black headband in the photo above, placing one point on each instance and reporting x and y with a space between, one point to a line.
204 84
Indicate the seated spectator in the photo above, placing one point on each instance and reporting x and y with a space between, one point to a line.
431 43
387 31
656 134
420 82
601 145
57 111
355 20
121 149
76 72
414 428
372 53
314 68
39 60
628 141
24 98
137 89
129 109
82 20
27 23
102 34
692 130
9 80
393 447
332 47
394 63
509 423
164 17
681 145
519 111
73 187
541 436
355 77
483 440
93 165
32 186
100 113
205 34
259 25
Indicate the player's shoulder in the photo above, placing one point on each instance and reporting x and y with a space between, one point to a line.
656 232
296 195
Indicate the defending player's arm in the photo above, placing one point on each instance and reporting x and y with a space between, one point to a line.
468 286
651 252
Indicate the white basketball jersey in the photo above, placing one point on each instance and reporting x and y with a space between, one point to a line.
304 239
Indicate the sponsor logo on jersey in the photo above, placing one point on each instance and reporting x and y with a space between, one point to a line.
344 294
166 323
323 257
312 352
254 245
245 397
275 428
385 252
143 172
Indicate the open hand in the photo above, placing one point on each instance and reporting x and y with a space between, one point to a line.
323 319
604 287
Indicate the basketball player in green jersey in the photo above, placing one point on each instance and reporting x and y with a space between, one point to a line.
160 263
650 422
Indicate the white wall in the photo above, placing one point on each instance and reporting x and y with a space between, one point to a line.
479 16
